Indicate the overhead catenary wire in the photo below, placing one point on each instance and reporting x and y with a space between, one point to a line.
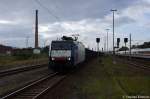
48 10
51 13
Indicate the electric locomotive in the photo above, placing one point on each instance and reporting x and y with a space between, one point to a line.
65 54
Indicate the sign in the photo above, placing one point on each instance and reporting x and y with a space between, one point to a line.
36 51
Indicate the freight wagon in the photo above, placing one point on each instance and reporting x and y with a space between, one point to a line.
66 54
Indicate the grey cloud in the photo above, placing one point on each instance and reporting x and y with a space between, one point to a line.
67 10
81 9
15 31
124 20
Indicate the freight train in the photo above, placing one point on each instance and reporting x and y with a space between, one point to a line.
66 54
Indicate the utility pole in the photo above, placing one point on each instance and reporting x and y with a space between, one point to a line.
36 29
27 41
107 39
125 41
113 10
130 44
104 43
98 48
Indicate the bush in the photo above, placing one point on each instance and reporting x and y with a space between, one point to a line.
22 56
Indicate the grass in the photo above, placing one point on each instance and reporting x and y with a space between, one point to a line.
96 83
109 81
136 85
133 82
17 60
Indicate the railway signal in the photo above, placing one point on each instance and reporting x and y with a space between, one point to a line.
118 42
125 41
97 40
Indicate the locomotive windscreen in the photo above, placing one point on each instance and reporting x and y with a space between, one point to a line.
61 45
61 48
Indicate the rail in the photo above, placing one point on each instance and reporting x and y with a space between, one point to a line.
20 69
37 88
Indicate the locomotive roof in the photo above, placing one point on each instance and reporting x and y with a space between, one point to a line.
62 41
67 41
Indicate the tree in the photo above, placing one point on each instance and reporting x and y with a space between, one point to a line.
123 48
144 45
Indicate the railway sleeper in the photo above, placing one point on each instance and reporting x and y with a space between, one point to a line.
24 97
34 92
29 94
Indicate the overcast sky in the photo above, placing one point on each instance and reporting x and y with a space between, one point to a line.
88 18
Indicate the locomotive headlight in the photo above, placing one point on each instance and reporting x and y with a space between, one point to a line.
69 58
53 58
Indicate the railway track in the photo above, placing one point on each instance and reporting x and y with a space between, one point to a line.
136 65
20 69
36 89
139 59
141 66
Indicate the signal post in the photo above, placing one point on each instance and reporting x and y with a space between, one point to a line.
98 41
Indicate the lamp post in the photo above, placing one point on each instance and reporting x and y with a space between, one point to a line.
113 11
